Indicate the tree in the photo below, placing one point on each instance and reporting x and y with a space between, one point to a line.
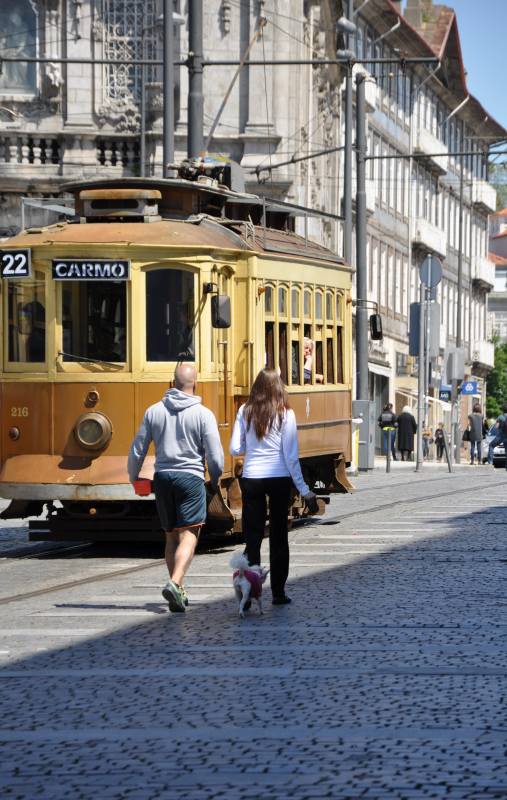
497 381
498 179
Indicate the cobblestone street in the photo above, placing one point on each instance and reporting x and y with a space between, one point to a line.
385 678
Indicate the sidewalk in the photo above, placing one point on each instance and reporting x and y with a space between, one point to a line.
384 679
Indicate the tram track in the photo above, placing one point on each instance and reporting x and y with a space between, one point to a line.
159 562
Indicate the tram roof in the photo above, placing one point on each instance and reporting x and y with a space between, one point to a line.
196 231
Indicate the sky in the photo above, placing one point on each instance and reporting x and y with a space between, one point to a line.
482 26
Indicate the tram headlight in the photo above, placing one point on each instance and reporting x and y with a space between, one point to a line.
93 430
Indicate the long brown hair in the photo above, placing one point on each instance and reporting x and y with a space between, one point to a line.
267 402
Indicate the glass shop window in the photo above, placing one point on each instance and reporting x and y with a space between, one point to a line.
94 321
27 320
170 315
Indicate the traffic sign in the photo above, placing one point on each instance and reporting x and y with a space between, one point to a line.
468 387
445 395
430 271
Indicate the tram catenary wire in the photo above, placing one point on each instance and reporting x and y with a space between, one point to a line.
160 562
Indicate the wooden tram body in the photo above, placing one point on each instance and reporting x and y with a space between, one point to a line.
111 303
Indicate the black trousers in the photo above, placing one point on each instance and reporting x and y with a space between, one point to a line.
255 493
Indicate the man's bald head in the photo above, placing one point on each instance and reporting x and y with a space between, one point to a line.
185 377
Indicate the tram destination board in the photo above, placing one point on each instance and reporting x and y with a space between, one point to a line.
90 269
15 264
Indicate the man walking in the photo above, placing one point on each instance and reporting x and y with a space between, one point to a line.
184 433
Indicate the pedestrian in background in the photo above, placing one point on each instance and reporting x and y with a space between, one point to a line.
477 429
407 427
185 434
427 439
265 433
387 420
439 440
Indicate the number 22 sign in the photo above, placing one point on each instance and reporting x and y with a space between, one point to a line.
15 264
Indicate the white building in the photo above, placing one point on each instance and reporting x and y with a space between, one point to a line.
71 121
497 301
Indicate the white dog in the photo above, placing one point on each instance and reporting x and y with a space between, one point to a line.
247 582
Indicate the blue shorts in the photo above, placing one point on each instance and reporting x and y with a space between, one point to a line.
181 500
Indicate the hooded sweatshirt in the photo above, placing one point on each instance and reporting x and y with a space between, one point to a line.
184 433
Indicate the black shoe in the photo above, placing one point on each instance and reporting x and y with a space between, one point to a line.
247 606
282 600
395 458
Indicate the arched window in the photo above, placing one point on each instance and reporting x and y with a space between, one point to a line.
18 37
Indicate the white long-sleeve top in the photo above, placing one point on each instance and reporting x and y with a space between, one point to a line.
274 456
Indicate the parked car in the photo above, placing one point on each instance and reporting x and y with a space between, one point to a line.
499 456
490 436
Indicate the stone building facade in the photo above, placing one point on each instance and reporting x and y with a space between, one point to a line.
61 122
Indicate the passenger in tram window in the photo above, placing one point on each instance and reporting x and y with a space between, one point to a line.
185 435
34 319
308 348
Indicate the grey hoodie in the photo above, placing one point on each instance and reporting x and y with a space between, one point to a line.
184 433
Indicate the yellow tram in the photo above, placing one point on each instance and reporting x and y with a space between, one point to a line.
96 313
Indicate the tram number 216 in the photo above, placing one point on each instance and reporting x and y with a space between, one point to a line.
19 411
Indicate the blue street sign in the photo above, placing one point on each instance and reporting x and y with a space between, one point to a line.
445 395
469 387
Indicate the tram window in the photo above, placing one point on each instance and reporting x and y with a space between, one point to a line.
94 320
295 303
318 305
282 351
270 345
268 300
319 362
330 360
307 304
27 320
169 315
282 301
339 354
296 369
329 306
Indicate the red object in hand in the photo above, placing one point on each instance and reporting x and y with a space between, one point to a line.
142 486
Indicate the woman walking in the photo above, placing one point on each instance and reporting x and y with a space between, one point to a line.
407 427
265 432
477 430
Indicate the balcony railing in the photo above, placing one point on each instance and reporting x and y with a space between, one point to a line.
483 273
483 353
484 196
428 237
429 147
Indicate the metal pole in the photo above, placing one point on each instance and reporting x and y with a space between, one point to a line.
142 144
459 299
361 265
347 164
168 81
195 67
420 380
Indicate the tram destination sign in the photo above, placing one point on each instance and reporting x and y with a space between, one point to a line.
85 269
15 264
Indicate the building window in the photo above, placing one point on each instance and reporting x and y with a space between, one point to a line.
126 23
18 38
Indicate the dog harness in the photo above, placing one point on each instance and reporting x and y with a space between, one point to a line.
255 581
